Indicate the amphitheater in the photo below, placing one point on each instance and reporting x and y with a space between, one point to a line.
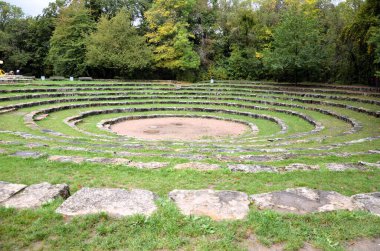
228 128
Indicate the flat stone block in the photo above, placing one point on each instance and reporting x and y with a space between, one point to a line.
7 190
344 166
370 201
219 205
252 168
197 166
300 167
148 165
28 154
37 195
304 200
115 202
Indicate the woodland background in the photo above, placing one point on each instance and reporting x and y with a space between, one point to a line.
283 40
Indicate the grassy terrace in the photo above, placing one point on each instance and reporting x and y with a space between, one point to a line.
286 117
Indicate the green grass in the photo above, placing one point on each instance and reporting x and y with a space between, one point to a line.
168 229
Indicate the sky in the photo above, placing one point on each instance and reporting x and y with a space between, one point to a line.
35 7
31 7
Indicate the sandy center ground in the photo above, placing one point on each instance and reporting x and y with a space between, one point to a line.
178 128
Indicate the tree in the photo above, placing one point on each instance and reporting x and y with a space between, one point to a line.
374 41
9 12
244 63
296 48
357 35
67 45
115 45
173 48
135 8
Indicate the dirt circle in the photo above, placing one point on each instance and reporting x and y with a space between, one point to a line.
178 128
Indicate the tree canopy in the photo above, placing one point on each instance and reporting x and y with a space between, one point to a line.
287 40
116 46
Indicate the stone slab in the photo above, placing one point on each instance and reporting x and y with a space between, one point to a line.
219 205
304 200
114 161
344 166
78 160
148 165
252 168
370 201
7 190
41 117
67 159
37 195
115 202
35 145
23 154
363 245
300 167
377 165
197 166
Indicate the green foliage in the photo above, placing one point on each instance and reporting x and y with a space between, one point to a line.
116 45
301 40
374 41
67 45
170 36
244 64
8 13
296 47
357 35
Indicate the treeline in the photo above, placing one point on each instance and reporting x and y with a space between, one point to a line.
285 40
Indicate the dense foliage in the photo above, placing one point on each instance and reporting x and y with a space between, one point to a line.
287 40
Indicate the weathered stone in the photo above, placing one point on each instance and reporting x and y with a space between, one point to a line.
363 245
344 166
37 195
35 145
300 167
219 205
304 200
77 159
115 202
115 161
197 166
8 189
370 201
41 117
261 158
148 165
66 159
34 155
377 165
2 151
252 168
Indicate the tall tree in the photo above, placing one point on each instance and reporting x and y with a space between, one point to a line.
8 13
170 36
374 42
296 48
67 45
116 46
357 35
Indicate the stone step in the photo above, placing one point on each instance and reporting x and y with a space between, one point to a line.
304 200
115 202
219 205
29 197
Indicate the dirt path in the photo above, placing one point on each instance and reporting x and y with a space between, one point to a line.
178 128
